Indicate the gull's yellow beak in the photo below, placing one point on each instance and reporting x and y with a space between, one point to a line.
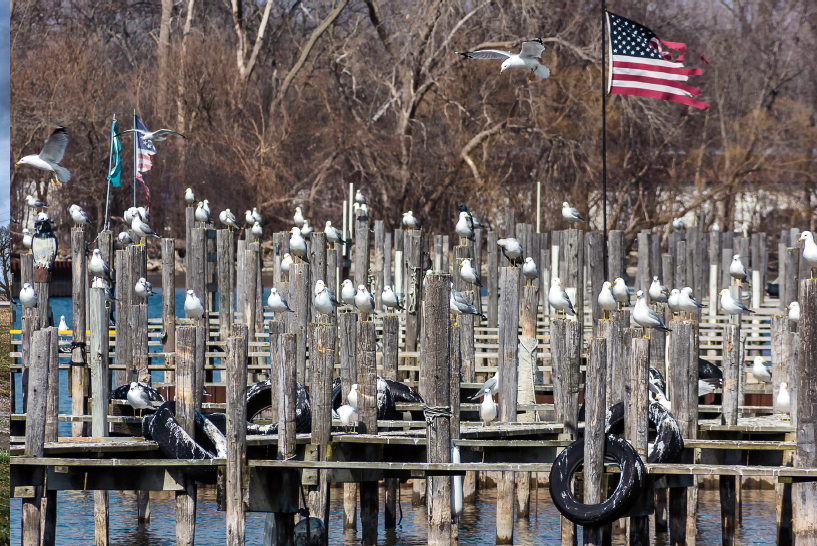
501 70
800 239
18 163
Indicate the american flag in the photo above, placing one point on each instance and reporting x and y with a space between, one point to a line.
144 149
640 67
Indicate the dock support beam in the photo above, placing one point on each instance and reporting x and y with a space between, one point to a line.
805 493
594 439
185 416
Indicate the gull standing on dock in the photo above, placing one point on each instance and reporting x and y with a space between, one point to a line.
351 397
783 400
364 301
487 410
391 300
347 292
458 305
125 238
228 219
78 216
621 292
464 229
190 198
490 386
333 234
809 251
511 249
606 300
51 154
144 288
297 244
471 218
28 296
347 414
673 303
286 262
794 311
63 327
658 396
658 292
410 221
737 270
140 397
646 317
193 308
99 267
277 304
299 217
248 219
687 302
571 214
325 300
678 224
731 305
142 229
35 202
257 231
526 58
202 215
761 370
469 274
360 198
99 283
558 298
27 239
529 271
307 230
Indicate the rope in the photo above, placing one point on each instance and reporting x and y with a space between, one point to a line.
432 412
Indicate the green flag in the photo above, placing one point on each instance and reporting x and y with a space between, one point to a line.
116 160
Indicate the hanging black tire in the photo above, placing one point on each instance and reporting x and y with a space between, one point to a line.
631 482
259 398
668 442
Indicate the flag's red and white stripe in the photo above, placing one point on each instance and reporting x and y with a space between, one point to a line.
655 79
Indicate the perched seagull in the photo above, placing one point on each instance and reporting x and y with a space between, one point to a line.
297 244
794 311
658 292
558 298
391 299
471 218
606 299
142 229
458 305
35 202
193 308
673 302
125 238
277 303
621 292
50 156
307 230
809 251
352 396
571 214
256 216
27 239
529 271
359 198
325 300
646 317
761 370
737 270
347 292
28 296
526 58
333 234
202 215
63 327
286 262
464 229
487 410
410 222
491 386
347 414
154 136
731 305
687 302
783 400
99 267
257 231
658 396
145 215
364 301
205 204
144 288
678 224
190 197
228 219
78 216
469 274
139 397
511 249
364 212
715 226
248 219
99 283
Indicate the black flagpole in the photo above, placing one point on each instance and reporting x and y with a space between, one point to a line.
604 137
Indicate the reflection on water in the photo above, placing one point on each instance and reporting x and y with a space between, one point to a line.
75 522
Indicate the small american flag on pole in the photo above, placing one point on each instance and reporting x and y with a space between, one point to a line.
638 65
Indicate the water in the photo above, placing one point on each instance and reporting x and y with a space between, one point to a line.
75 521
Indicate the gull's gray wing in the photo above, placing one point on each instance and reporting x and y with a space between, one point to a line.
163 132
54 147
332 297
486 387
567 298
486 54
575 212
534 48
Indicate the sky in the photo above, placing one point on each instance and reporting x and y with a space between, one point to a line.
5 129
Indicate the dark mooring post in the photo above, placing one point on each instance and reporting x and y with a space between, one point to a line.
595 385
35 429
79 266
100 386
367 412
237 348
169 304
185 416
436 348
322 363
805 493
508 387
391 337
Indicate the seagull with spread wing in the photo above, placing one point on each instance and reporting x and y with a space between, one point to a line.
154 136
48 159
526 58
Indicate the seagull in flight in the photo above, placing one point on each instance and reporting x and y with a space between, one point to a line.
155 136
526 58
48 159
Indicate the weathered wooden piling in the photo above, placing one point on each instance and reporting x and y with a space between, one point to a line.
49 502
436 346
347 333
169 303
729 416
526 381
240 291
197 276
637 431
322 361
79 387
367 412
124 344
284 527
391 338
300 301
317 266
185 417
595 269
224 246
139 314
465 322
493 280
792 274
237 349
644 269
413 242
805 493
250 303
362 242
42 285
594 406
100 385
616 256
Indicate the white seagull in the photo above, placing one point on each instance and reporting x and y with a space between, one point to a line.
658 292
469 274
307 230
511 249
360 198
571 214
99 267
783 400
35 202
687 302
324 300
621 292
99 283
142 229
228 219
277 304
606 299
190 197
410 221
347 414
256 216
138 397
248 219
809 251
673 302
27 239
144 288
50 156
391 300
464 229
286 262
297 244
347 292
257 231
487 410
658 396
678 224
125 238
731 305
526 58
364 301
63 327
155 136
794 311
558 298
458 305
202 215
333 234
193 308
352 396
78 216
737 270
490 386
761 370
529 271
646 317
299 217
28 296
